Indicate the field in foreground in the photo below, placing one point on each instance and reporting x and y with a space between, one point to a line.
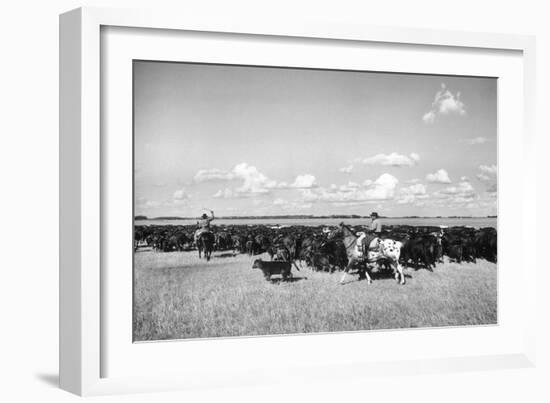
177 296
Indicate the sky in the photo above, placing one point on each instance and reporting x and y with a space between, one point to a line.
245 140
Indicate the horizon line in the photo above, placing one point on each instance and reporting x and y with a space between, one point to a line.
306 216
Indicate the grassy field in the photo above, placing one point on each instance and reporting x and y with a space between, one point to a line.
178 296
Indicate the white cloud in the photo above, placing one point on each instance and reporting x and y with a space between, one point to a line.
462 193
441 176
367 182
410 194
483 177
382 188
180 194
463 188
306 181
418 189
488 169
214 174
488 174
347 169
253 182
351 186
225 194
445 103
394 159
476 140
429 117
386 181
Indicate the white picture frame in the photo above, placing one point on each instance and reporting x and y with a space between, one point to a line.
83 306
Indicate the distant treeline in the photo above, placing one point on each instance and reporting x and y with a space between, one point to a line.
299 216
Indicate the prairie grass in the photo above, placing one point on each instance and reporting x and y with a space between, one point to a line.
178 296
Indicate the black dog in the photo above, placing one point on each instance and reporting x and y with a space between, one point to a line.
271 268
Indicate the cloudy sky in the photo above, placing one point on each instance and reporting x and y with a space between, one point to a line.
267 141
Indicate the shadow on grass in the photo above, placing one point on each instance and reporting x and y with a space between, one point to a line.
290 280
420 267
378 275
385 274
224 255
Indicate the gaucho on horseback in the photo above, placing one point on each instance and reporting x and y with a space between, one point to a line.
368 248
370 240
203 225
204 237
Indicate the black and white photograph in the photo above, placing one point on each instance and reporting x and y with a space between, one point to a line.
277 201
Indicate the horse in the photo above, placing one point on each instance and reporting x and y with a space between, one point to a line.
205 242
388 253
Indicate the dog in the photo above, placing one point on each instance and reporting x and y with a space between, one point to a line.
271 268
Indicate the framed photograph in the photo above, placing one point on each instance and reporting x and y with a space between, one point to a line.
237 197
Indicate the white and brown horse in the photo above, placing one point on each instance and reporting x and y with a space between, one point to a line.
388 253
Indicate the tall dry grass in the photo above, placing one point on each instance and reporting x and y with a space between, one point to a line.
177 296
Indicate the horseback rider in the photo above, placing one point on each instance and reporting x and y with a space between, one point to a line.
203 225
375 228
370 239
375 224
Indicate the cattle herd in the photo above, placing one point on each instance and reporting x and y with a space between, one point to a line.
322 250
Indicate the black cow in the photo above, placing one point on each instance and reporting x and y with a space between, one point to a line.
420 250
271 268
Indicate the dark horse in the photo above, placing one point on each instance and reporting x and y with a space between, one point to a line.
388 253
205 242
